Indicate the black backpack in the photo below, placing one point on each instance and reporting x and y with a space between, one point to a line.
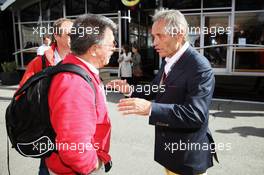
27 116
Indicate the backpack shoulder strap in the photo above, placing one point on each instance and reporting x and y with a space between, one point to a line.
50 71
43 60
31 80
73 69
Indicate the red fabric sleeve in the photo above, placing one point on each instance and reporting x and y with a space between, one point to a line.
32 68
73 117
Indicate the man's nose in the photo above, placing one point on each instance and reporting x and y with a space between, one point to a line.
155 42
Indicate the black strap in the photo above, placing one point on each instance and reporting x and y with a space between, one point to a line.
43 60
211 140
73 69
49 71
8 158
32 79
29 82
108 166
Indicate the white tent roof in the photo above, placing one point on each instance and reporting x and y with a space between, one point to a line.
5 3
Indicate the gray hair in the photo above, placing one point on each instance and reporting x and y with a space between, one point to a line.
176 22
93 27
57 28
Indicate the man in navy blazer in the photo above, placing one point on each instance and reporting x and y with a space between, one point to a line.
183 142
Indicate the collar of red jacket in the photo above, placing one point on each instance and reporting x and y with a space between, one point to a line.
71 58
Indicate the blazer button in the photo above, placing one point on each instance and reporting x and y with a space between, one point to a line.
163 134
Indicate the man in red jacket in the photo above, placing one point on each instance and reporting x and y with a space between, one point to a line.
60 47
79 116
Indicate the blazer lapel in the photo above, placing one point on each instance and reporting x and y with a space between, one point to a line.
176 71
158 78
159 74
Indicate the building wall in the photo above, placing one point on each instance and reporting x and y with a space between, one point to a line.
6 37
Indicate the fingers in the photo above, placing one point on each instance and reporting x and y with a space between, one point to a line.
127 112
116 83
120 85
113 82
126 102
134 106
125 108
126 105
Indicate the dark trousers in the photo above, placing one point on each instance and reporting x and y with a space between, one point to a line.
128 79
43 170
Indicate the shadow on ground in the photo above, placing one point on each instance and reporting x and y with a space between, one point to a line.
5 98
235 109
244 131
2 87
114 97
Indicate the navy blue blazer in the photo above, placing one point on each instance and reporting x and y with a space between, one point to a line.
180 115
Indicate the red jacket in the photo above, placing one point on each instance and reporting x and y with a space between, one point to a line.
77 120
35 65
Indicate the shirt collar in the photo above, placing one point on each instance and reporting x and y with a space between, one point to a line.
170 61
90 66
57 57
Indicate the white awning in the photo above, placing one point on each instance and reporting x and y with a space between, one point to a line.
6 4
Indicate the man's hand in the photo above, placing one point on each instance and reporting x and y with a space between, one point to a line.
135 106
120 85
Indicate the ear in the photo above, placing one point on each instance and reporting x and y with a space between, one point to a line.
93 50
180 37
55 36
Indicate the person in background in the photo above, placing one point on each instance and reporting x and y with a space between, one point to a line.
125 69
45 46
59 48
136 60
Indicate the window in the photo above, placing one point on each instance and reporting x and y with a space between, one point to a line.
217 3
182 4
138 34
194 29
51 9
149 4
216 31
75 7
249 5
30 39
248 28
30 13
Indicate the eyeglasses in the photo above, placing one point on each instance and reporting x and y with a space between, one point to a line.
110 45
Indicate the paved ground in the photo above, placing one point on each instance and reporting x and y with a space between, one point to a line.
233 124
